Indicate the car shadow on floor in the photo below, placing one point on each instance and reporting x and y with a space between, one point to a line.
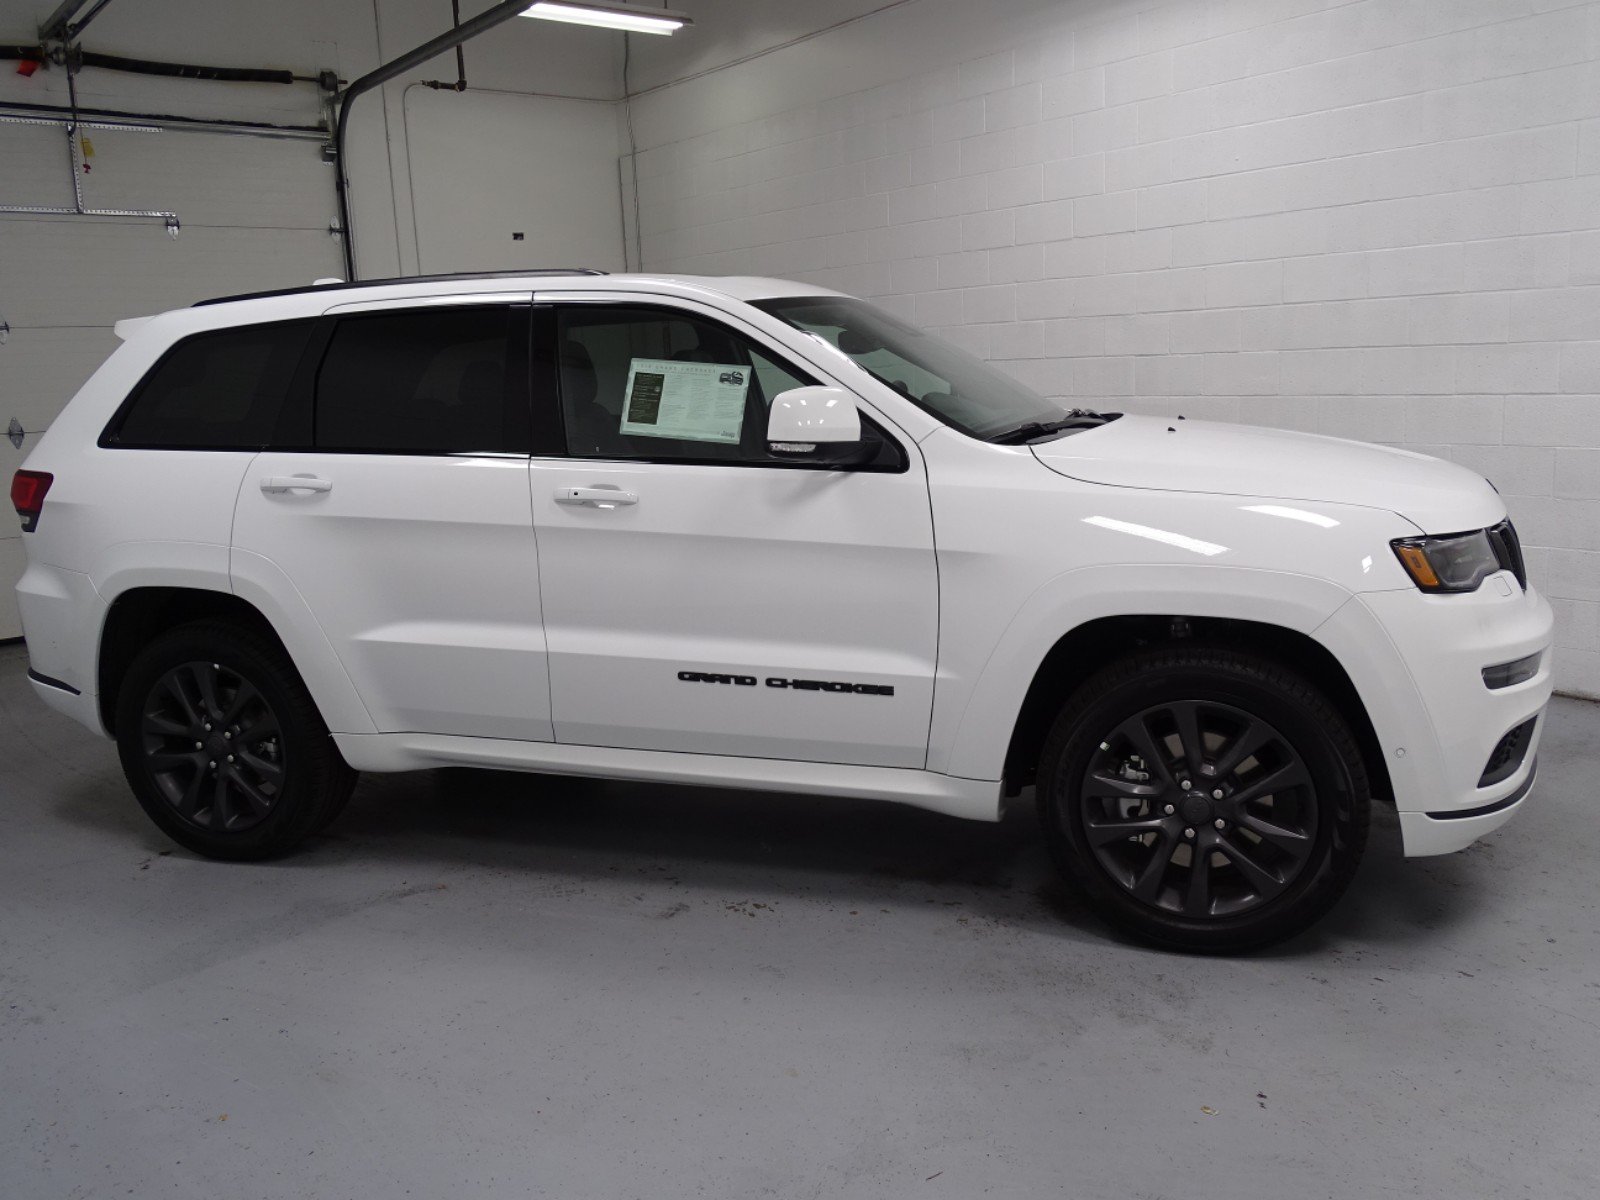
770 847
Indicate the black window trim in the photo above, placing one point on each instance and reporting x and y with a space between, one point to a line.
546 392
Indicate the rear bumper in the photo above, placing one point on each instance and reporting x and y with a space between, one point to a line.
1418 662
62 614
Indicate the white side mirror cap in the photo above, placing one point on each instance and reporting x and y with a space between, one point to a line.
803 418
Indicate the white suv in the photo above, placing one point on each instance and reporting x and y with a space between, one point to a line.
748 533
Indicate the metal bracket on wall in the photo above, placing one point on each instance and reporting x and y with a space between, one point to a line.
5 331
14 432
78 208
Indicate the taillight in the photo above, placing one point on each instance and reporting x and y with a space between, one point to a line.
27 496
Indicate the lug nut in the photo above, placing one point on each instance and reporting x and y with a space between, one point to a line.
213 766
208 726
230 736
1169 809
1220 823
230 759
1188 833
1217 795
1183 783
199 745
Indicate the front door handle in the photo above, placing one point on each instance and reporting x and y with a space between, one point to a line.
595 497
295 483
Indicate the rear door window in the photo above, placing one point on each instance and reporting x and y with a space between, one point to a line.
425 381
222 390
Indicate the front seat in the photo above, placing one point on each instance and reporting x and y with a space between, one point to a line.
592 431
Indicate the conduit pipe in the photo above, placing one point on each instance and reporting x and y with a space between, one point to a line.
435 46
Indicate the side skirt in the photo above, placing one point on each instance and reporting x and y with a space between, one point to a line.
974 799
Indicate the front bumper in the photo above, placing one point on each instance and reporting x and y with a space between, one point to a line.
1417 661
1446 832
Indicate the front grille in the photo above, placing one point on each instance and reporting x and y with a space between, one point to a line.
1508 754
1508 550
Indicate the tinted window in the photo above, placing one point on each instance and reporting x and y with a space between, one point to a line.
650 383
221 390
424 381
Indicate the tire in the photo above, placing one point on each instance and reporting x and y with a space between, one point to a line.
183 701
1268 813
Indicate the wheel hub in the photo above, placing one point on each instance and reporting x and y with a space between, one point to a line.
1198 807
210 743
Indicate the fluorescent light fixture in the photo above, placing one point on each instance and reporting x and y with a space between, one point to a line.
1165 536
631 18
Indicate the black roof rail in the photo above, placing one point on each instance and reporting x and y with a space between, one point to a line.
368 283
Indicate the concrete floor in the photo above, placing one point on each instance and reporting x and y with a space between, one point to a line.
481 985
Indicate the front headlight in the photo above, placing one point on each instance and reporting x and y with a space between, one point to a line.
1452 562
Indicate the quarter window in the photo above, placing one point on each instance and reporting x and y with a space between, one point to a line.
219 391
424 381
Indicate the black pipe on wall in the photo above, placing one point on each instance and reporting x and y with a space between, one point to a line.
146 66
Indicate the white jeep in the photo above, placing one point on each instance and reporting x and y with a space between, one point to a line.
747 533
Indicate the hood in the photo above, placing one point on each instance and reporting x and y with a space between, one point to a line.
1175 455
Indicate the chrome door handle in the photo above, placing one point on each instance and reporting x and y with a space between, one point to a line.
595 497
296 483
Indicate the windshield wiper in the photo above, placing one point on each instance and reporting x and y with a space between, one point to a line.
1077 418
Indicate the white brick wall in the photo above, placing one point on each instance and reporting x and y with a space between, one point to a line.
1369 218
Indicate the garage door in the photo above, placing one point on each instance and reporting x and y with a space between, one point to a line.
254 214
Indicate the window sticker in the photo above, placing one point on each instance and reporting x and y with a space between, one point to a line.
691 401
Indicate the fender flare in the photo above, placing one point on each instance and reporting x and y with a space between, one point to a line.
975 733
206 567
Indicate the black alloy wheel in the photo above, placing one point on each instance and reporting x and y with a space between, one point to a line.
213 746
1199 808
222 744
1204 797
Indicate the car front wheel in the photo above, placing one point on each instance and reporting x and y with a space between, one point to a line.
1204 799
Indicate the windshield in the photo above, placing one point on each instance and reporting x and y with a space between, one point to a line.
958 388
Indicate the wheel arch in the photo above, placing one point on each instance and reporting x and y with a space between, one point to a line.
145 611
140 614
1094 644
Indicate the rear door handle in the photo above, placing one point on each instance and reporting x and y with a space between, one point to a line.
295 483
595 497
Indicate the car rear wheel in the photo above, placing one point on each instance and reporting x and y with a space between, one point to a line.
224 747
1204 798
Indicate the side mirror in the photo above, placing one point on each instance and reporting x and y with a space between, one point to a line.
803 419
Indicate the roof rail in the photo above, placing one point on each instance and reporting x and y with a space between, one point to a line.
370 283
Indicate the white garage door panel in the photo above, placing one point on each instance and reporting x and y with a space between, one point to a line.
35 158
206 178
13 561
41 369
91 271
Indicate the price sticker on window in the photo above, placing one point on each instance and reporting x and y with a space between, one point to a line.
690 401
